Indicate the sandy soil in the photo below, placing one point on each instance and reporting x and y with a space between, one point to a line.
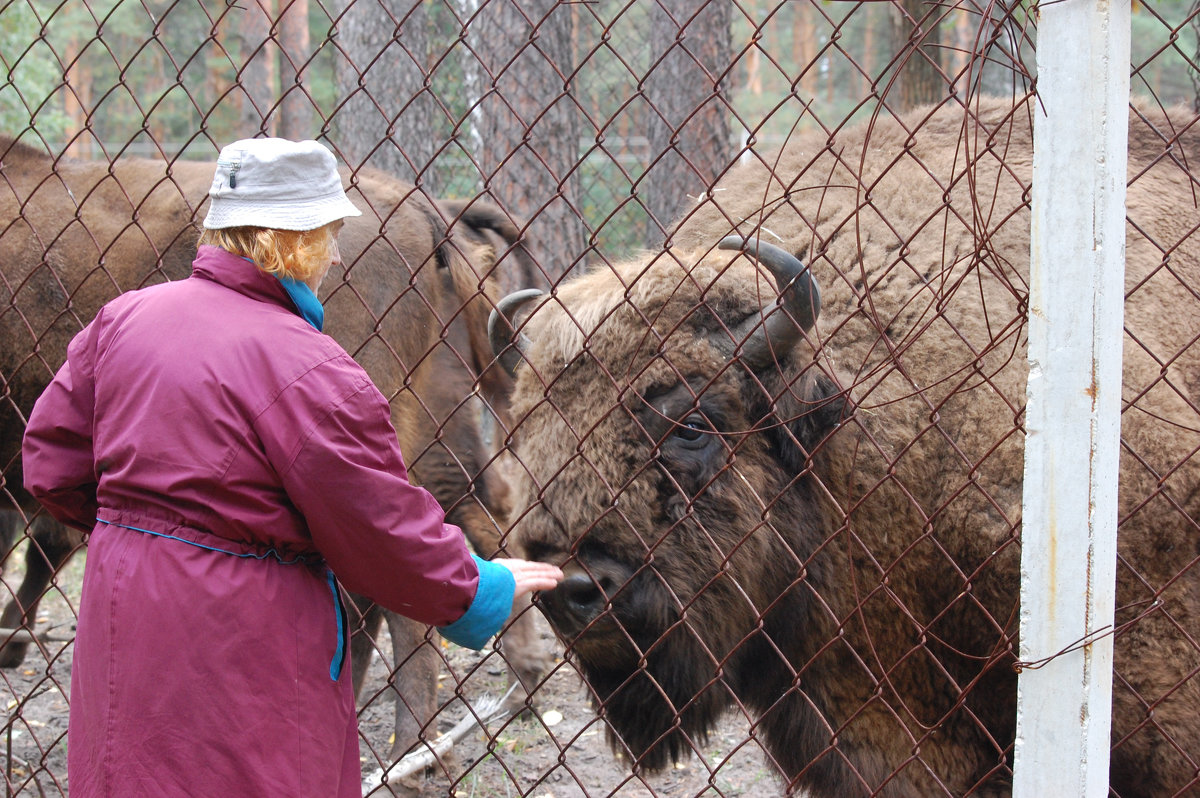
560 750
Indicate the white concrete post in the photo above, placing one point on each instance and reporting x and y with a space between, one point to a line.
1068 545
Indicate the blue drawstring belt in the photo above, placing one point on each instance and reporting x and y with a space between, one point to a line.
339 654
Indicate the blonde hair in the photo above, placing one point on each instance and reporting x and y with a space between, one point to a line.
298 254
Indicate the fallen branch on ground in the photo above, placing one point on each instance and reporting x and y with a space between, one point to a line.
488 710
23 635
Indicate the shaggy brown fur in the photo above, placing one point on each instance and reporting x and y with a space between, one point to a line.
833 544
411 306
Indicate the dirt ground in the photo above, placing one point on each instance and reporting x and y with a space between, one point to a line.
557 751
560 749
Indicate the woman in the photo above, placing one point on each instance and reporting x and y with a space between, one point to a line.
228 460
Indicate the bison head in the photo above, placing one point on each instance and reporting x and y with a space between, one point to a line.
668 412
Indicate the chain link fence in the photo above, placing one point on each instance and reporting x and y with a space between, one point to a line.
791 529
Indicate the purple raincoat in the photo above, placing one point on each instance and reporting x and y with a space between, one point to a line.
226 457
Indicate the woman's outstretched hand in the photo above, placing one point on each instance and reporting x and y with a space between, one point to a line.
531 575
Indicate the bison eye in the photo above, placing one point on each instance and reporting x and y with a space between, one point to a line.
693 430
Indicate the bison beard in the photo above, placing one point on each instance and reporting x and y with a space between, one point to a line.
663 710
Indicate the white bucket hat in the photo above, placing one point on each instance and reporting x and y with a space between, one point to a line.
276 183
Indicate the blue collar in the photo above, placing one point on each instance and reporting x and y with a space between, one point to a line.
306 302
303 298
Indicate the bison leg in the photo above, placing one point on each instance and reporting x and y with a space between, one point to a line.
414 679
417 664
51 544
365 619
523 652
520 644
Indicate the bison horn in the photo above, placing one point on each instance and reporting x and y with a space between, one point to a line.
798 295
504 347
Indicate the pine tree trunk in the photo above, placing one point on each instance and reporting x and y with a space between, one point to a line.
529 127
386 119
805 49
688 118
76 102
258 73
296 108
915 33
869 58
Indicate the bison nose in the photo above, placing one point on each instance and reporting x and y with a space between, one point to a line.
578 601
583 596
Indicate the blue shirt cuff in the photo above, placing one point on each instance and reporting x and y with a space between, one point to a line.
490 609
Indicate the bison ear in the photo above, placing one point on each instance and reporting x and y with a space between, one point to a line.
808 413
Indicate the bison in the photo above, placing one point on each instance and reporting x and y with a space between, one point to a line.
815 519
411 305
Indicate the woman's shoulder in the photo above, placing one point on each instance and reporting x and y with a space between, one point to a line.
204 334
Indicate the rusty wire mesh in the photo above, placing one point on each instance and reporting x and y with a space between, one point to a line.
802 562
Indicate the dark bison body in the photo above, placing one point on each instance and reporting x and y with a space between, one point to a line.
410 305
819 523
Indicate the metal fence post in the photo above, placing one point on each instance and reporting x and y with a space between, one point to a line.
1068 555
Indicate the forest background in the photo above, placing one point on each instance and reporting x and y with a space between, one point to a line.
592 121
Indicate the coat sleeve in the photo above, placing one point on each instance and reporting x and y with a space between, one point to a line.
57 453
383 537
